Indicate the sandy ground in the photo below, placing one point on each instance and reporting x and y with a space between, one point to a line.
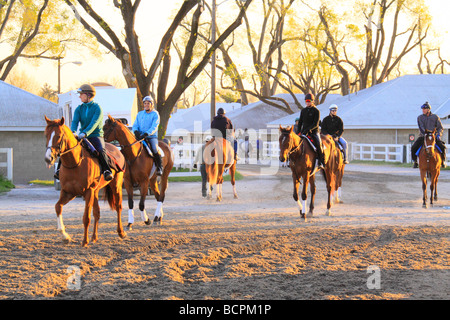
254 247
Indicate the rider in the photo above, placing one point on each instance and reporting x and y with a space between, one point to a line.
428 121
146 127
334 126
89 115
308 124
225 126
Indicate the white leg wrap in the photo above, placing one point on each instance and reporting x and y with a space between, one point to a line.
144 216
299 205
304 206
130 216
158 211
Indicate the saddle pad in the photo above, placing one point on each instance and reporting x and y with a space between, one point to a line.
115 157
160 151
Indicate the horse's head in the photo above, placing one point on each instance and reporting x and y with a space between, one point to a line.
285 142
54 133
429 141
109 129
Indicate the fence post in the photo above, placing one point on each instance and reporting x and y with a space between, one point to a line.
9 162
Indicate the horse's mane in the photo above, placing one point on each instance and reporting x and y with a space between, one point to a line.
55 123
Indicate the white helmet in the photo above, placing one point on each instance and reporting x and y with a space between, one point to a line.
147 98
333 107
208 138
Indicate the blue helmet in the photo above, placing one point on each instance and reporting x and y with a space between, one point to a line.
426 105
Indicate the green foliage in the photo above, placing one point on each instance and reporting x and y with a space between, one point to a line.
5 184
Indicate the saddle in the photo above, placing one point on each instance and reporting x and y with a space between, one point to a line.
310 140
150 153
115 158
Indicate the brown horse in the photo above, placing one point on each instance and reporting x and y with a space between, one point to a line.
80 176
141 169
219 156
334 170
430 166
301 158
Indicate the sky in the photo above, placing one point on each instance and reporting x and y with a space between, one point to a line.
152 21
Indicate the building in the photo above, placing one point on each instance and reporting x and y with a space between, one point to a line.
22 126
387 113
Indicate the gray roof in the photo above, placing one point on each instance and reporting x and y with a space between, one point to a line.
392 104
23 111
252 116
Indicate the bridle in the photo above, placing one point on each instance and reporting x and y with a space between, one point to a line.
291 147
59 147
428 136
111 129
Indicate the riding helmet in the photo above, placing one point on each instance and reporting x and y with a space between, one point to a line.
87 88
426 105
333 107
309 96
148 98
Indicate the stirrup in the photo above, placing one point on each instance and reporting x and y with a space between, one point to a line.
56 175
159 171
415 165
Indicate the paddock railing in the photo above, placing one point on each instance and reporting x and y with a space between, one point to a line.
6 154
270 151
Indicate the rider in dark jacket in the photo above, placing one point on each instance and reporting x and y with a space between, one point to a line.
225 126
334 126
308 124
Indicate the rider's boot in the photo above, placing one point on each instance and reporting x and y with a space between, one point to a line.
158 163
444 160
106 170
415 164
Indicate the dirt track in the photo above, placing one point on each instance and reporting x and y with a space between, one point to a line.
254 247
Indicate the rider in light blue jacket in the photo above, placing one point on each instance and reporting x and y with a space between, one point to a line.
146 127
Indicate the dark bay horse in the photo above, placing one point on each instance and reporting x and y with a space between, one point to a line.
301 158
219 156
140 169
80 176
430 166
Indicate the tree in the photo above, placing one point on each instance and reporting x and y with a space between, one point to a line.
131 57
48 93
382 51
19 25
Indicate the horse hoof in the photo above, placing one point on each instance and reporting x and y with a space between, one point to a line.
328 213
156 221
122 235
129 227
309 215
236 196
424 206
148 222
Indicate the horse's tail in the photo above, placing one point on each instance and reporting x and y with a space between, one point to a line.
110 196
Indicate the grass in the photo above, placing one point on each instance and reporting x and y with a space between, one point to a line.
5 185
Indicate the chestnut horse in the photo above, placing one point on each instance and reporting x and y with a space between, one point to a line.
430 166
141 169
80 176
334 171
219 156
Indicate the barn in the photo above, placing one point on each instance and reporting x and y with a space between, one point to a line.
22 126
387 113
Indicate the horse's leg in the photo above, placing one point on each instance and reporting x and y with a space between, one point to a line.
96 214
330 188
116 188
312 188
424 189
158 212
219 182
129 189
304 195
64 198
295 195
143 192
233 179
88 203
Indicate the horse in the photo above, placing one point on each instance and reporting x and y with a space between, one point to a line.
334 171
141 169
301 158
430 166
80 176
219 156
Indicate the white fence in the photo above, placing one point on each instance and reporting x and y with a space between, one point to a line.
8 164
185 154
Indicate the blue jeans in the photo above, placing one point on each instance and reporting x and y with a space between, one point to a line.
153 144
343 143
